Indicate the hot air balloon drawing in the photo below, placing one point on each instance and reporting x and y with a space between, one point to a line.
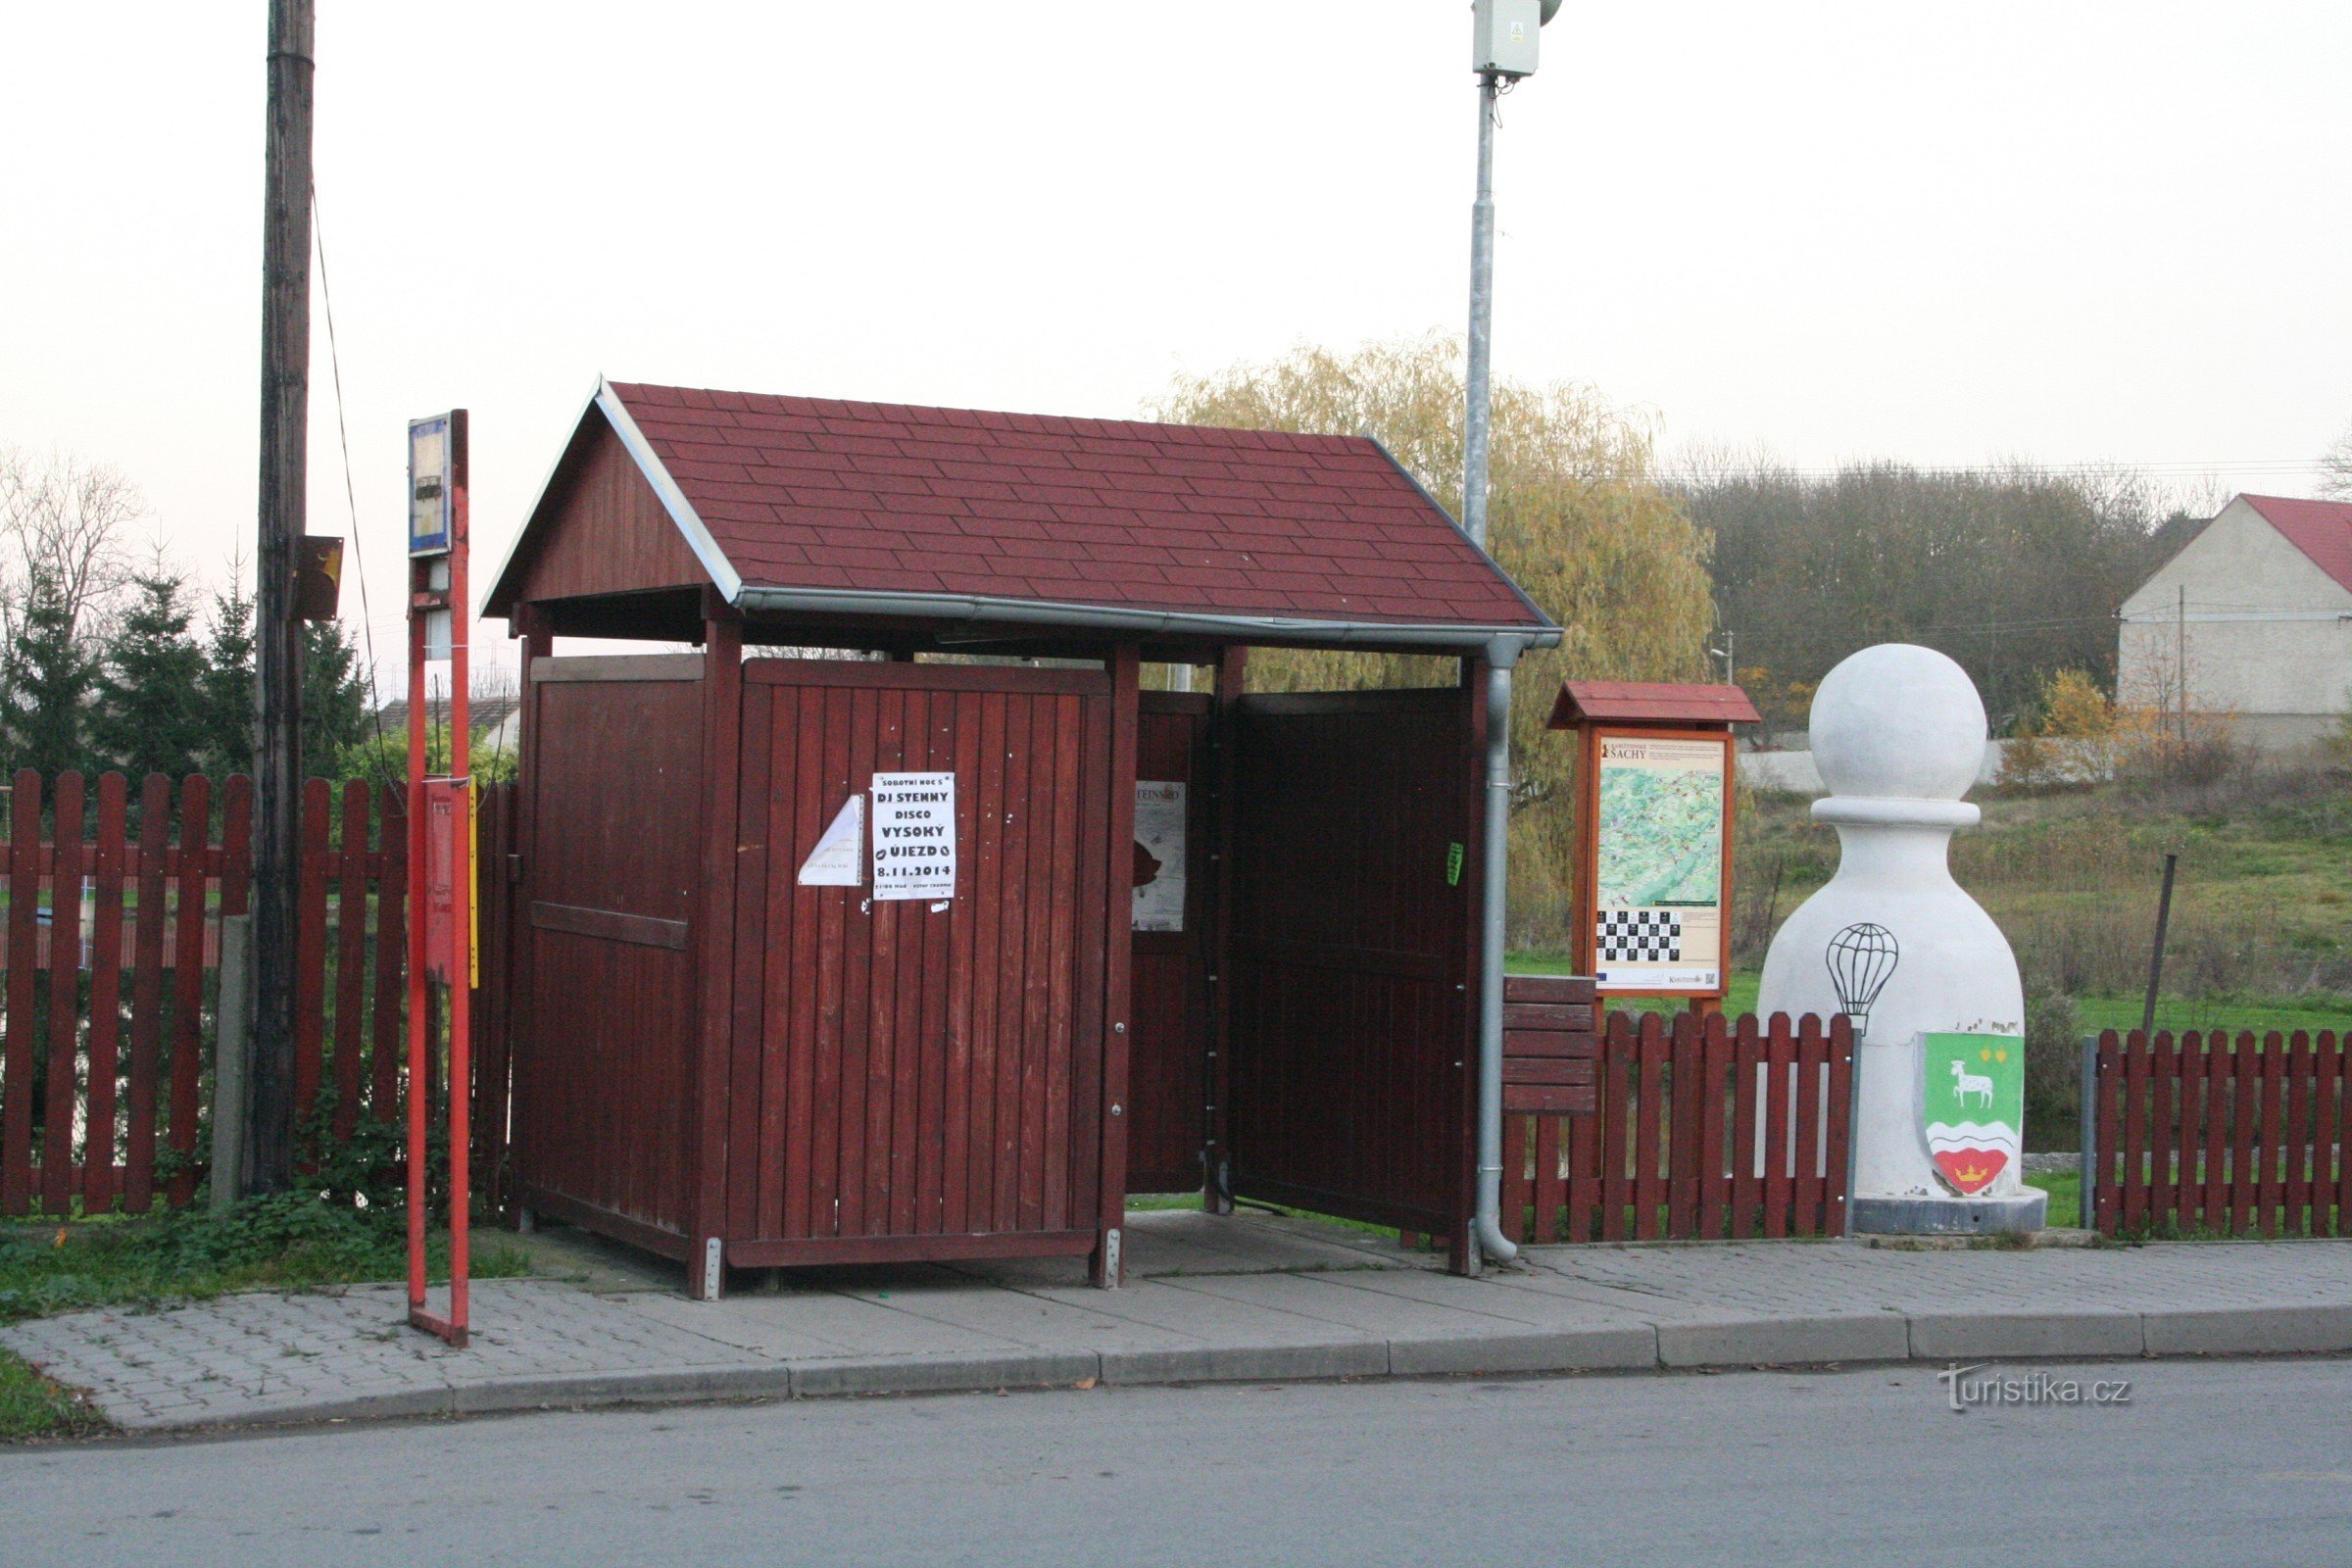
1861 958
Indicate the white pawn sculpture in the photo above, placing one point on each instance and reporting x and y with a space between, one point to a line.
1899 732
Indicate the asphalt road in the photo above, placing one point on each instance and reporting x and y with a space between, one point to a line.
2247 1463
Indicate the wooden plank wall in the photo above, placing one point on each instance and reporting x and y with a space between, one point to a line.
610 881
909 1081
1167 1089
2213 1133
103 1065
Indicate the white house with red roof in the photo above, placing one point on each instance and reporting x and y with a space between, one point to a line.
2252 618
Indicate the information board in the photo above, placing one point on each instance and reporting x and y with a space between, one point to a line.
1656 888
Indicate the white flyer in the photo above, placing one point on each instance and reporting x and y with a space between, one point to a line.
1159 855
839 858
914 835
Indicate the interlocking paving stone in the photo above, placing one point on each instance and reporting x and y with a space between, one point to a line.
1208 1297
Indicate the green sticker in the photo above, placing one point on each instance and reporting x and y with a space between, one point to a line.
1453 865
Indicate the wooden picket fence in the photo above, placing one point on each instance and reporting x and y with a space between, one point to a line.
2206 1131
1697 1128
106 1055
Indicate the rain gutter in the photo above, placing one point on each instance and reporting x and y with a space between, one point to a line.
986 608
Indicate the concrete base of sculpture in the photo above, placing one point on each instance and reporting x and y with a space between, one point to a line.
2021 1215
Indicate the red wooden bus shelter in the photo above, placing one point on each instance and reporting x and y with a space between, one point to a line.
720 1062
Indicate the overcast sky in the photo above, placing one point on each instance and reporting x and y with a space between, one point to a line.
1943 233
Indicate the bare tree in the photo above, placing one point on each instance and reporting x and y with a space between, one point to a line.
2336 467
64 520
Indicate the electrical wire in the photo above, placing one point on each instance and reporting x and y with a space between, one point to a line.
1862 467
334 360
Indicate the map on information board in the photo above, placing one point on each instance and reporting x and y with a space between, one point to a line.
1658 868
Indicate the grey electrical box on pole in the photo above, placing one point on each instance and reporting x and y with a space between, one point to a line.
1502 35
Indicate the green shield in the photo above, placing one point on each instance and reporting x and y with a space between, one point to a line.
1973 1105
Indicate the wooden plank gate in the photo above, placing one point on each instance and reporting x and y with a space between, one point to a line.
1354 870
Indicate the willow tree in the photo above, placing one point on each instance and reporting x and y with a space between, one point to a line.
1576 515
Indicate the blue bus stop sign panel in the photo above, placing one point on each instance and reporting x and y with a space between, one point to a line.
429 500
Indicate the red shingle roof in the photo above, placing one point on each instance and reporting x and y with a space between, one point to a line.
2320 529
816 493
1623 701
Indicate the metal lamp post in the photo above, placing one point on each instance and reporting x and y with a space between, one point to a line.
1502 45
1504 36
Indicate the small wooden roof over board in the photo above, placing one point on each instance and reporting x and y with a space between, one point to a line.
954 528
1662 704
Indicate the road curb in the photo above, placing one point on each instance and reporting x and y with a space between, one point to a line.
404 1404
1249 1363
1966 1336
1796 1340
2247 1331
680 1385
1785 1341
1594 1350
943 1374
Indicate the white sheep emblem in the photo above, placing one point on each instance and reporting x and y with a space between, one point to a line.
1966 1083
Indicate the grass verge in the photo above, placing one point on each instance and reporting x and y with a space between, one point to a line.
2258 1013
2065 1188
289 1242
34 1406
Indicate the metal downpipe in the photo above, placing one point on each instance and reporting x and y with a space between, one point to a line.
1488 1227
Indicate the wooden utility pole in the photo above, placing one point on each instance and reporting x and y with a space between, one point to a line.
277 630
2181 660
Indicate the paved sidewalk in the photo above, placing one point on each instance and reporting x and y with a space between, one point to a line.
1206 1298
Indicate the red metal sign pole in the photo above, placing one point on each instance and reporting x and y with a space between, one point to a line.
420 1002
458 972
440 856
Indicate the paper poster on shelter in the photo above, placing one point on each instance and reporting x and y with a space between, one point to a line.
1159 855
839 858
914 835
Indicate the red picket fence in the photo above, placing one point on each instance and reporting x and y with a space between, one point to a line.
2230 1136
106 1060
1697 1127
